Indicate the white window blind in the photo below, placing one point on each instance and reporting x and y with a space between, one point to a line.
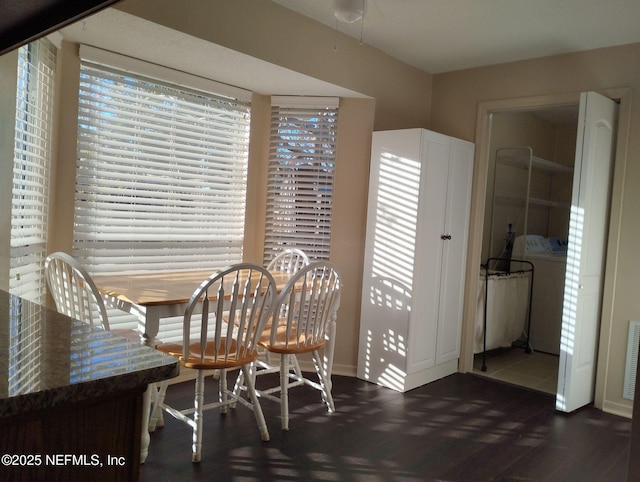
161 174
31 167
300 176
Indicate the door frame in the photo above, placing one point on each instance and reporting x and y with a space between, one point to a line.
476 222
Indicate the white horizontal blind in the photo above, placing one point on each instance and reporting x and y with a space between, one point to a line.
25 350
300 176
161 174
31 167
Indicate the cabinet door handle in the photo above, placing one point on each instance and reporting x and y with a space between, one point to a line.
445 236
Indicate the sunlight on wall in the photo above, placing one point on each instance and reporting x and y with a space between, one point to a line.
570 303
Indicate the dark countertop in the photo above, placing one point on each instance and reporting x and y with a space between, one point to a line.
49 360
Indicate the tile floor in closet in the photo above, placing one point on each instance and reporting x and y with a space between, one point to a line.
537 370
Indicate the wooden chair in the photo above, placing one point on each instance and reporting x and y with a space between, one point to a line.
303 321
288 261
77 296
236 304
74 292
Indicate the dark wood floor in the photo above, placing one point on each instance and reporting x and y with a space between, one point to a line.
462 428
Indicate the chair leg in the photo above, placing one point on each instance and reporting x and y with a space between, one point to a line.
253 372
257 409
196 455
284 391
293 360
156 419
240 383
325 382
222 391
237 387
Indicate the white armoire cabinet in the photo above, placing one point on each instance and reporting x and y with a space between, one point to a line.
415 257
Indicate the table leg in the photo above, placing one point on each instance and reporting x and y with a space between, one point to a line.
148 325
146 404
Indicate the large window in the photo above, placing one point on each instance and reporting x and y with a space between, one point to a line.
31 168
301 173
161 174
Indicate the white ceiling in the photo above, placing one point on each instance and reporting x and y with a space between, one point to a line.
446 35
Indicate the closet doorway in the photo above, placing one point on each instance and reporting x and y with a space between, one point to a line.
525 206
532 209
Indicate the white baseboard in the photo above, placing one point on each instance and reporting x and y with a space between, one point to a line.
619 409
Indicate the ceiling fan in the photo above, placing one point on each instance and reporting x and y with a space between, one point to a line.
349 11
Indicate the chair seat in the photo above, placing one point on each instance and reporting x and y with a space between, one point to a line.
210 361
292 343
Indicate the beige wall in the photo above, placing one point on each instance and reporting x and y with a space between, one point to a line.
64 170
459 97
280 36
256 178
348 225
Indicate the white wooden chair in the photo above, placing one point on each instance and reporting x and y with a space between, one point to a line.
303 321
236 303
77 296
74 292
288 261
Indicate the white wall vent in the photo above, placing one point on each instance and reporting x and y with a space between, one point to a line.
633 344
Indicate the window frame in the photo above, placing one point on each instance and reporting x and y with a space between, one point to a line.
301 175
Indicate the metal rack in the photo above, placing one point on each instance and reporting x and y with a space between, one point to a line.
517 199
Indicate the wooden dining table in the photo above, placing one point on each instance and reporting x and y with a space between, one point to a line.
155 295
